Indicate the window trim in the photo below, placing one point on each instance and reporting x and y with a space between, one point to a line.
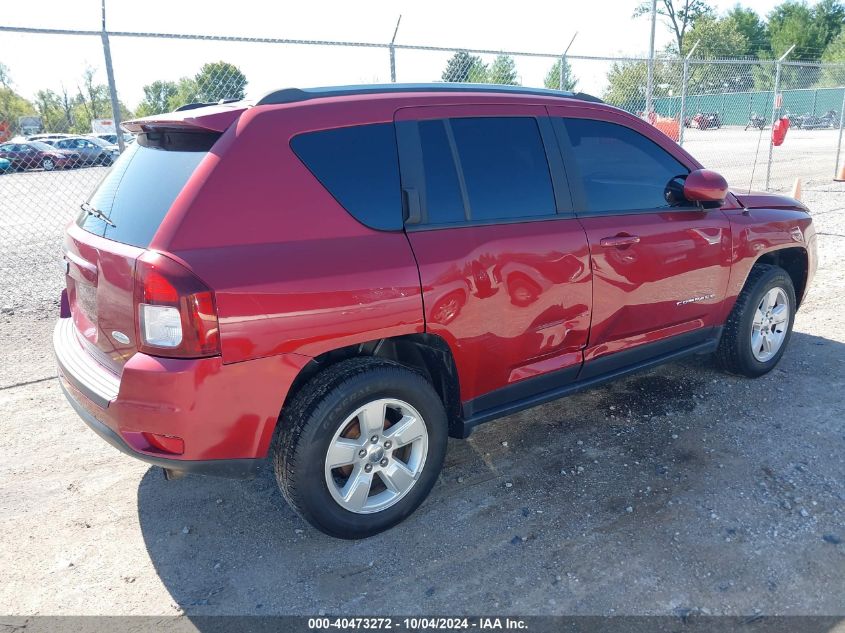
576 182
457 165
413 228
412 169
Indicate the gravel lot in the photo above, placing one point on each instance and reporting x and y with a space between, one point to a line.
808 154
682 490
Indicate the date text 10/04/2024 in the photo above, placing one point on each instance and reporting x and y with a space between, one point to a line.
417 623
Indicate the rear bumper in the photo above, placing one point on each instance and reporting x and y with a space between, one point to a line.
98 384
225 414
230 468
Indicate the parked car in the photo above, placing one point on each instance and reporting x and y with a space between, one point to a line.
47 137
5 165
37 155
413 261
92 151
112 138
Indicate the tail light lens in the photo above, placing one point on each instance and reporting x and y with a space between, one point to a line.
176 313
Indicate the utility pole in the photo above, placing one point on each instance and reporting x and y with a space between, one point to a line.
649 88
115 104
563 62
393 52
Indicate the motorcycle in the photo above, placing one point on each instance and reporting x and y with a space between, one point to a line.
756 121
828 120
707 120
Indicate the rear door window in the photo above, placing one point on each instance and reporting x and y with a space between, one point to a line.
483 169
359 166
504 167
444 203
139 189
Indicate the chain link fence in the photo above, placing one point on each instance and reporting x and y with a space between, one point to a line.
58 138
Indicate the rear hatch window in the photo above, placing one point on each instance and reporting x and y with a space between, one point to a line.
141 186
135 195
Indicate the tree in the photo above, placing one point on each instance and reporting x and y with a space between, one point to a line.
809 29
626 83
186 92
67 105
465 68
12 105
678 15
829 15
219 80
158 97
92 101
552 80
503 71
835 51
717 38
56 111
752 27
834 54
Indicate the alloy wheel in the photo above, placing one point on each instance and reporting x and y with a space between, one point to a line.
770 324
376 456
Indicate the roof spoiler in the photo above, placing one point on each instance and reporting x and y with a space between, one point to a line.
198 116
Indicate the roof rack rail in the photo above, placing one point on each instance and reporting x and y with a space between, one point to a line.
199 104
295 95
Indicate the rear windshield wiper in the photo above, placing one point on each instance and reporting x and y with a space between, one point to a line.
97 214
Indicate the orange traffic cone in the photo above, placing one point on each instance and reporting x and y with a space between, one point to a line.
840 177
796 189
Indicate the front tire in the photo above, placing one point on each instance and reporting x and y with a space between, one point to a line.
760 325
48 165
360 447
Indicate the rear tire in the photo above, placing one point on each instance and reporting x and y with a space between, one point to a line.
360 447
760 325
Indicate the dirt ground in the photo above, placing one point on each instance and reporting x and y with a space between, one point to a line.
678 491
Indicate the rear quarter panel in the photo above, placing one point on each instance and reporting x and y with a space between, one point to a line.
291 269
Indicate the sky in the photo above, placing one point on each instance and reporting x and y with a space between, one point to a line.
604 28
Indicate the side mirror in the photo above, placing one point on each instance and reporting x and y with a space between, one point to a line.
705 187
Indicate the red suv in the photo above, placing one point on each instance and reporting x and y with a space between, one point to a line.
341 278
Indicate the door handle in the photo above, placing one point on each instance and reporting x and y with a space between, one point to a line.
618 241
413 213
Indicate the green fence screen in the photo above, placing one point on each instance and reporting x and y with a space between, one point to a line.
735 108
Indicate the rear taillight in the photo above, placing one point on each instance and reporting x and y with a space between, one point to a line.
176 314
